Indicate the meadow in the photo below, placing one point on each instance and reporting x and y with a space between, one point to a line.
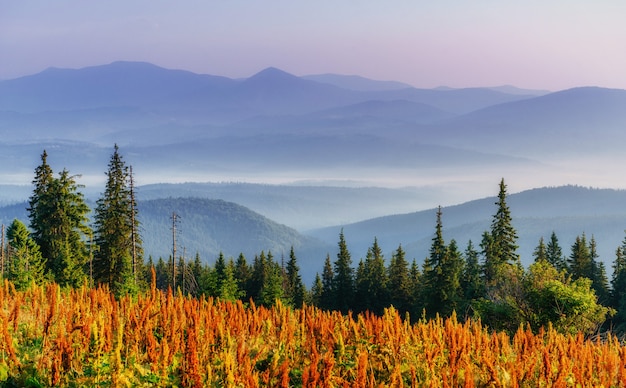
53 336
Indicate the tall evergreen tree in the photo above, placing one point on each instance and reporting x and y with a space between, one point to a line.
228 288
432 271
399 283
26 265
442 273
295 287
599 279
554 253
618 287
40 209
243 274
327 300
540 253
471 280
115 231
343 280
371 284
316 291
580 262
58 215
504 243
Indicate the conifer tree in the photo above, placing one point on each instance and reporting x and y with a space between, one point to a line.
504 236
327 301
471 281
243 274
599 279
228 289
399 283
371 284
115 230
316 291
580 262
540 253
416 278
295 287
442 273
272 288
40 209
618 287
343 280
26 265
554 253
58 219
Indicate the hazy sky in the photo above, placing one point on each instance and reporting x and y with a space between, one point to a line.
554 44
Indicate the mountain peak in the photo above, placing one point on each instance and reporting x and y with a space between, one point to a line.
272 73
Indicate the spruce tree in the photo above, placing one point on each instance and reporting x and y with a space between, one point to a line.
442 274
504 243
471 281
399 283
295 287
316 291
40 209
580 263
26 265
327 300
59 223
228 285
371 283
554 253
618 287
243 274
540 253
115 261
343 280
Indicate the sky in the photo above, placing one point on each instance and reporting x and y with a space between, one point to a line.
551 45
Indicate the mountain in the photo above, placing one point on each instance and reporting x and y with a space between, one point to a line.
569 211
273 126
355 82
210 226
572 121
134 84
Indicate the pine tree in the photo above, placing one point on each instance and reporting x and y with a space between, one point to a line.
115 231
399 283
272 288
504 243
228 286
371 282
243 274
295 287
343 281
540 253
441 274
316 291
162 274
26 265
327 301
471 281
431 296
260 273
618 287
554 253
579 263
58 219
599 279
40 209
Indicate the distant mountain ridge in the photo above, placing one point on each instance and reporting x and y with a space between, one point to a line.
176 125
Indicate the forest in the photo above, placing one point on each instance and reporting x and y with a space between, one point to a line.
68 251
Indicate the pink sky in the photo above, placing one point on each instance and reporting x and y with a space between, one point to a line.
532 44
